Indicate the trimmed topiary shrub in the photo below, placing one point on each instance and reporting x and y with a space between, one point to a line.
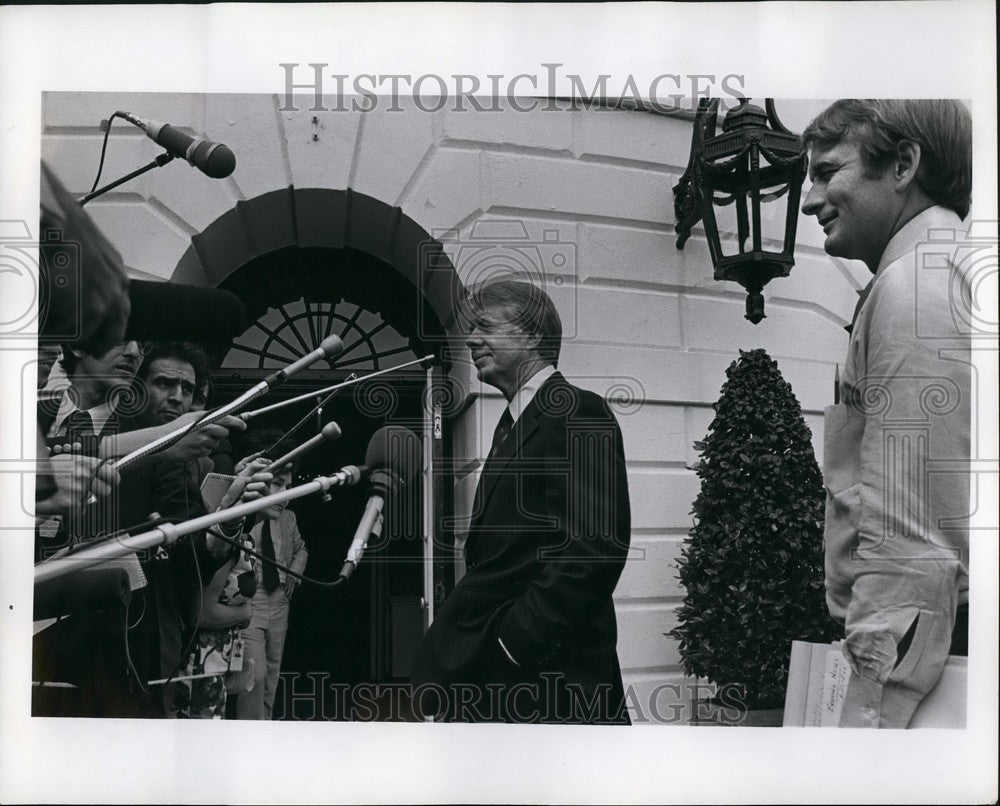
752 565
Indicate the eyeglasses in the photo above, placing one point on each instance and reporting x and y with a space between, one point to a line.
144 347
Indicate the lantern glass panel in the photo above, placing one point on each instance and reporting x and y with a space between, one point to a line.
735 212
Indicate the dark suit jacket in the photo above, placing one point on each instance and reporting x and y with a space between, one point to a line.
546 546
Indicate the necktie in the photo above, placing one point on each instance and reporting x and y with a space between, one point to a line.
499 435
79 423
80 428
267 549
503 429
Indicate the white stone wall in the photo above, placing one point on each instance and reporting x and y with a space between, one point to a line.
592 186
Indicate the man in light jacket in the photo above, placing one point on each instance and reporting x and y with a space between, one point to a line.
891 186
276 536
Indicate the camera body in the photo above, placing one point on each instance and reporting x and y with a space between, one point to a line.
43 279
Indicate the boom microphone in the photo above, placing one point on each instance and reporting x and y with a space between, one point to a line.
165 534
351 380
212 159
392 447
393 456
397 449
330 346
349 475
330 431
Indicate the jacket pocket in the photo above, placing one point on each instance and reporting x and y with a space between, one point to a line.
920 662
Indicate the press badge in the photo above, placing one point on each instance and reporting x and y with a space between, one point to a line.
236 657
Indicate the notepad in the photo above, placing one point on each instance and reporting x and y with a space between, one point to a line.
818 675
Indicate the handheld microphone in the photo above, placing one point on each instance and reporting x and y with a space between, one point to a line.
330 346
330 431
165 534
213 159
351 380
349 475
399 448
394 456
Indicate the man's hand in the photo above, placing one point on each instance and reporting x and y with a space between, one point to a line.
291 583
203 441
251 482
246 460
192 446
72 474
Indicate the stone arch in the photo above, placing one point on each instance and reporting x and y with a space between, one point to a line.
323 218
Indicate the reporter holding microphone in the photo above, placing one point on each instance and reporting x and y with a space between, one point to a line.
275 535
225 609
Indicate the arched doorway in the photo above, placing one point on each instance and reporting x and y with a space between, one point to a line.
295 295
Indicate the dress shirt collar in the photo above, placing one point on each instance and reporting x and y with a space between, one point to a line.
524 395
99 414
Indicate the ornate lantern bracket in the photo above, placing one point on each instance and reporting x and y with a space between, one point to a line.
754 161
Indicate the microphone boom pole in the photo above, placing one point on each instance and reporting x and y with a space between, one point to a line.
330 431
305 419
159 162
168 533
328 348
249 415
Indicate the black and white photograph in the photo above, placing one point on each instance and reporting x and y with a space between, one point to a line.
432 416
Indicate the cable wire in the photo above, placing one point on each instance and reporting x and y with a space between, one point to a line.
104 148
128 652
320 582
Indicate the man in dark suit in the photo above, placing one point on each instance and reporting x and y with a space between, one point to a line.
529 633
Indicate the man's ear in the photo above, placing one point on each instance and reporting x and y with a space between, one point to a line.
534 341
907 163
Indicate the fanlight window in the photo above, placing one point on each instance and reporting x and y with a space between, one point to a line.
295 329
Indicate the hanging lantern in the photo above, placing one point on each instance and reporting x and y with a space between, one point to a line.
754 162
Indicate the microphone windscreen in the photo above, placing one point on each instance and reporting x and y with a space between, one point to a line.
395 448
178 312
217 162
331 431
332 346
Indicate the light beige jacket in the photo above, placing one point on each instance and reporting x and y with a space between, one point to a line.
896 470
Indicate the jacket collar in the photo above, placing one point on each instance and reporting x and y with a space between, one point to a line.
916 231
